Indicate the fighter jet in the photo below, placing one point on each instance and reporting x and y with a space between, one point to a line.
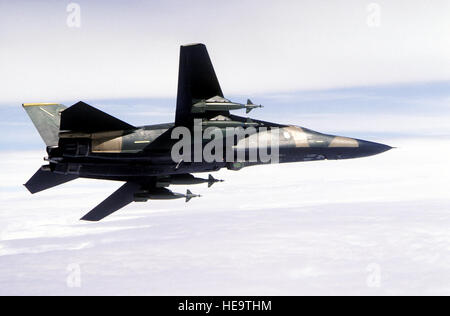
84 142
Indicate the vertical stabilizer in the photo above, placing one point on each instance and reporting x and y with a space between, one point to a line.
46 118
196 81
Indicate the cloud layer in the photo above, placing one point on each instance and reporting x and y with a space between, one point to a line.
313 228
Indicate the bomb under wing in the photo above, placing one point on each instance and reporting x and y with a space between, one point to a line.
185 179
218 103
162 194
84 142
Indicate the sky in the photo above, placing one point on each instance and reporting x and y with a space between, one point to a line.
373 70
130 49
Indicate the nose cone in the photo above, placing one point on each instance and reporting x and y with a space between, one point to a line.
367 148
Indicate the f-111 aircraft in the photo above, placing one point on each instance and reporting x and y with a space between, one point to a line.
84 142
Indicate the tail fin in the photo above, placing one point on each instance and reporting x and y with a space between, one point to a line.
189 195
45 179
46 118
249 109
211 181
197 80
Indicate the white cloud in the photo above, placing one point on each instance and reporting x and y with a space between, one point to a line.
305 228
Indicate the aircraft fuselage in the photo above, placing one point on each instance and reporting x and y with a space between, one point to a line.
129 153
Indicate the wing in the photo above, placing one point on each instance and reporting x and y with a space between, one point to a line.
196 81
120 198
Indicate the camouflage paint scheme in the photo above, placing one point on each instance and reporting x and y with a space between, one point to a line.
83 141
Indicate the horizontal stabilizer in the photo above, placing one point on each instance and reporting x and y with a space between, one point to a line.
44 179
120 198
84 118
